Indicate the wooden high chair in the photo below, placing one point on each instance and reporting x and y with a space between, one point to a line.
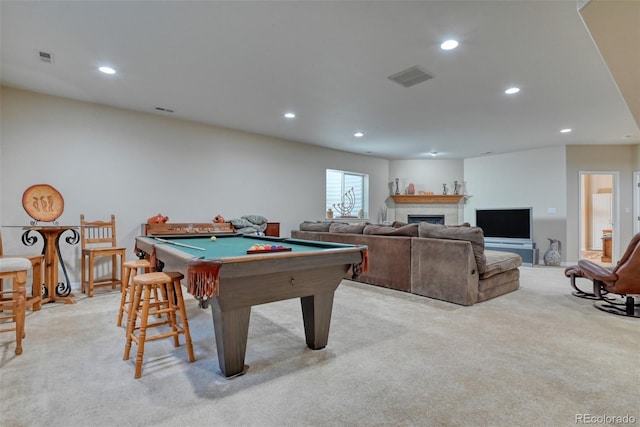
98 239
34 302
13 301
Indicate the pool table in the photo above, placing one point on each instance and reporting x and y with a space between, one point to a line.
310 271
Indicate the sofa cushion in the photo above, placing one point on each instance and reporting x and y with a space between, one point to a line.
409 230
474 235
499 262
337 227
315 226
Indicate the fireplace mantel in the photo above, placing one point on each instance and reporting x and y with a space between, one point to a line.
427 198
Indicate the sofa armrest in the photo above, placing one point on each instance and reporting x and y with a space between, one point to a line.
444 269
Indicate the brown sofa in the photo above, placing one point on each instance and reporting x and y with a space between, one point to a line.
436 261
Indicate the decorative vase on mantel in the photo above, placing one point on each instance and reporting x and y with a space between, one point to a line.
411 189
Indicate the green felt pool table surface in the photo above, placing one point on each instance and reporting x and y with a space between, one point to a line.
237 246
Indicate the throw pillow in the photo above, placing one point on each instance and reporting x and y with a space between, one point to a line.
317 226
409 230
337 227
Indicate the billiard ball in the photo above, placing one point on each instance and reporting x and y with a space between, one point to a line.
213 238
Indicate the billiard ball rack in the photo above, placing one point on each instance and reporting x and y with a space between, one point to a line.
266 251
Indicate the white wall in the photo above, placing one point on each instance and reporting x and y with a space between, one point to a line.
426 175
135 165
534 178
596 158
106 160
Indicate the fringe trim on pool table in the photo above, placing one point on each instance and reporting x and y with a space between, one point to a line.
362 266
365 261
203 278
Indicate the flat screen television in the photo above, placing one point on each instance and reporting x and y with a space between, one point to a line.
508 225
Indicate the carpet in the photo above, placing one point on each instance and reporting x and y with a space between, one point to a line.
534 357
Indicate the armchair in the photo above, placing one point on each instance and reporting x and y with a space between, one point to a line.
622 280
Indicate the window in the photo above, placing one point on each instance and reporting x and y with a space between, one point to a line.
347 194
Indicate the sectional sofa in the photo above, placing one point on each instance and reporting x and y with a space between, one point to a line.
444 262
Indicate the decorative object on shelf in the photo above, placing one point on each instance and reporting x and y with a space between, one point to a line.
219 219
411 189
445 190
397 185
42 202
463 187
345 207
552 255
361 213
158 219
329 213
456 187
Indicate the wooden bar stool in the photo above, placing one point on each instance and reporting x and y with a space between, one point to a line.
130 270
14 300
34 302
143 307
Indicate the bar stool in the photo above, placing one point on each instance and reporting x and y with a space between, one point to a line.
143 307
14 300
130 270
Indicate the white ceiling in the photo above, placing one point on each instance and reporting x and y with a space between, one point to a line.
243 64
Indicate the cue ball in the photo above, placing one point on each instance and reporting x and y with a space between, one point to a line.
213 238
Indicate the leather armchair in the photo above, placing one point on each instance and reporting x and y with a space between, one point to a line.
622 280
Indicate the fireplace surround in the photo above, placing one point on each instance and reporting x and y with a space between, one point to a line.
449 206
431 219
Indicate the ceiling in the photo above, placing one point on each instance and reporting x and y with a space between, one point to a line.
243 64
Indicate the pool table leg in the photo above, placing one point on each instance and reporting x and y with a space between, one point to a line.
316 314
231 328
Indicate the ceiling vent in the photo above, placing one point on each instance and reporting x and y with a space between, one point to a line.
410 77
45 56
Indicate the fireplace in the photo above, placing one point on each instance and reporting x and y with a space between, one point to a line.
449 206
431 219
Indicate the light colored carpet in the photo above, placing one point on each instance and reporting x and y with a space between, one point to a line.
534 357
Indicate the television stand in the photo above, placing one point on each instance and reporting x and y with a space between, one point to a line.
527 250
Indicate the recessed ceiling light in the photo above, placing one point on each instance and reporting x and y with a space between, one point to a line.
358 134
512 90
449 44
290 115
433 153
567 130
107 70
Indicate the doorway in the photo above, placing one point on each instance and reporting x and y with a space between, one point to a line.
598 216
